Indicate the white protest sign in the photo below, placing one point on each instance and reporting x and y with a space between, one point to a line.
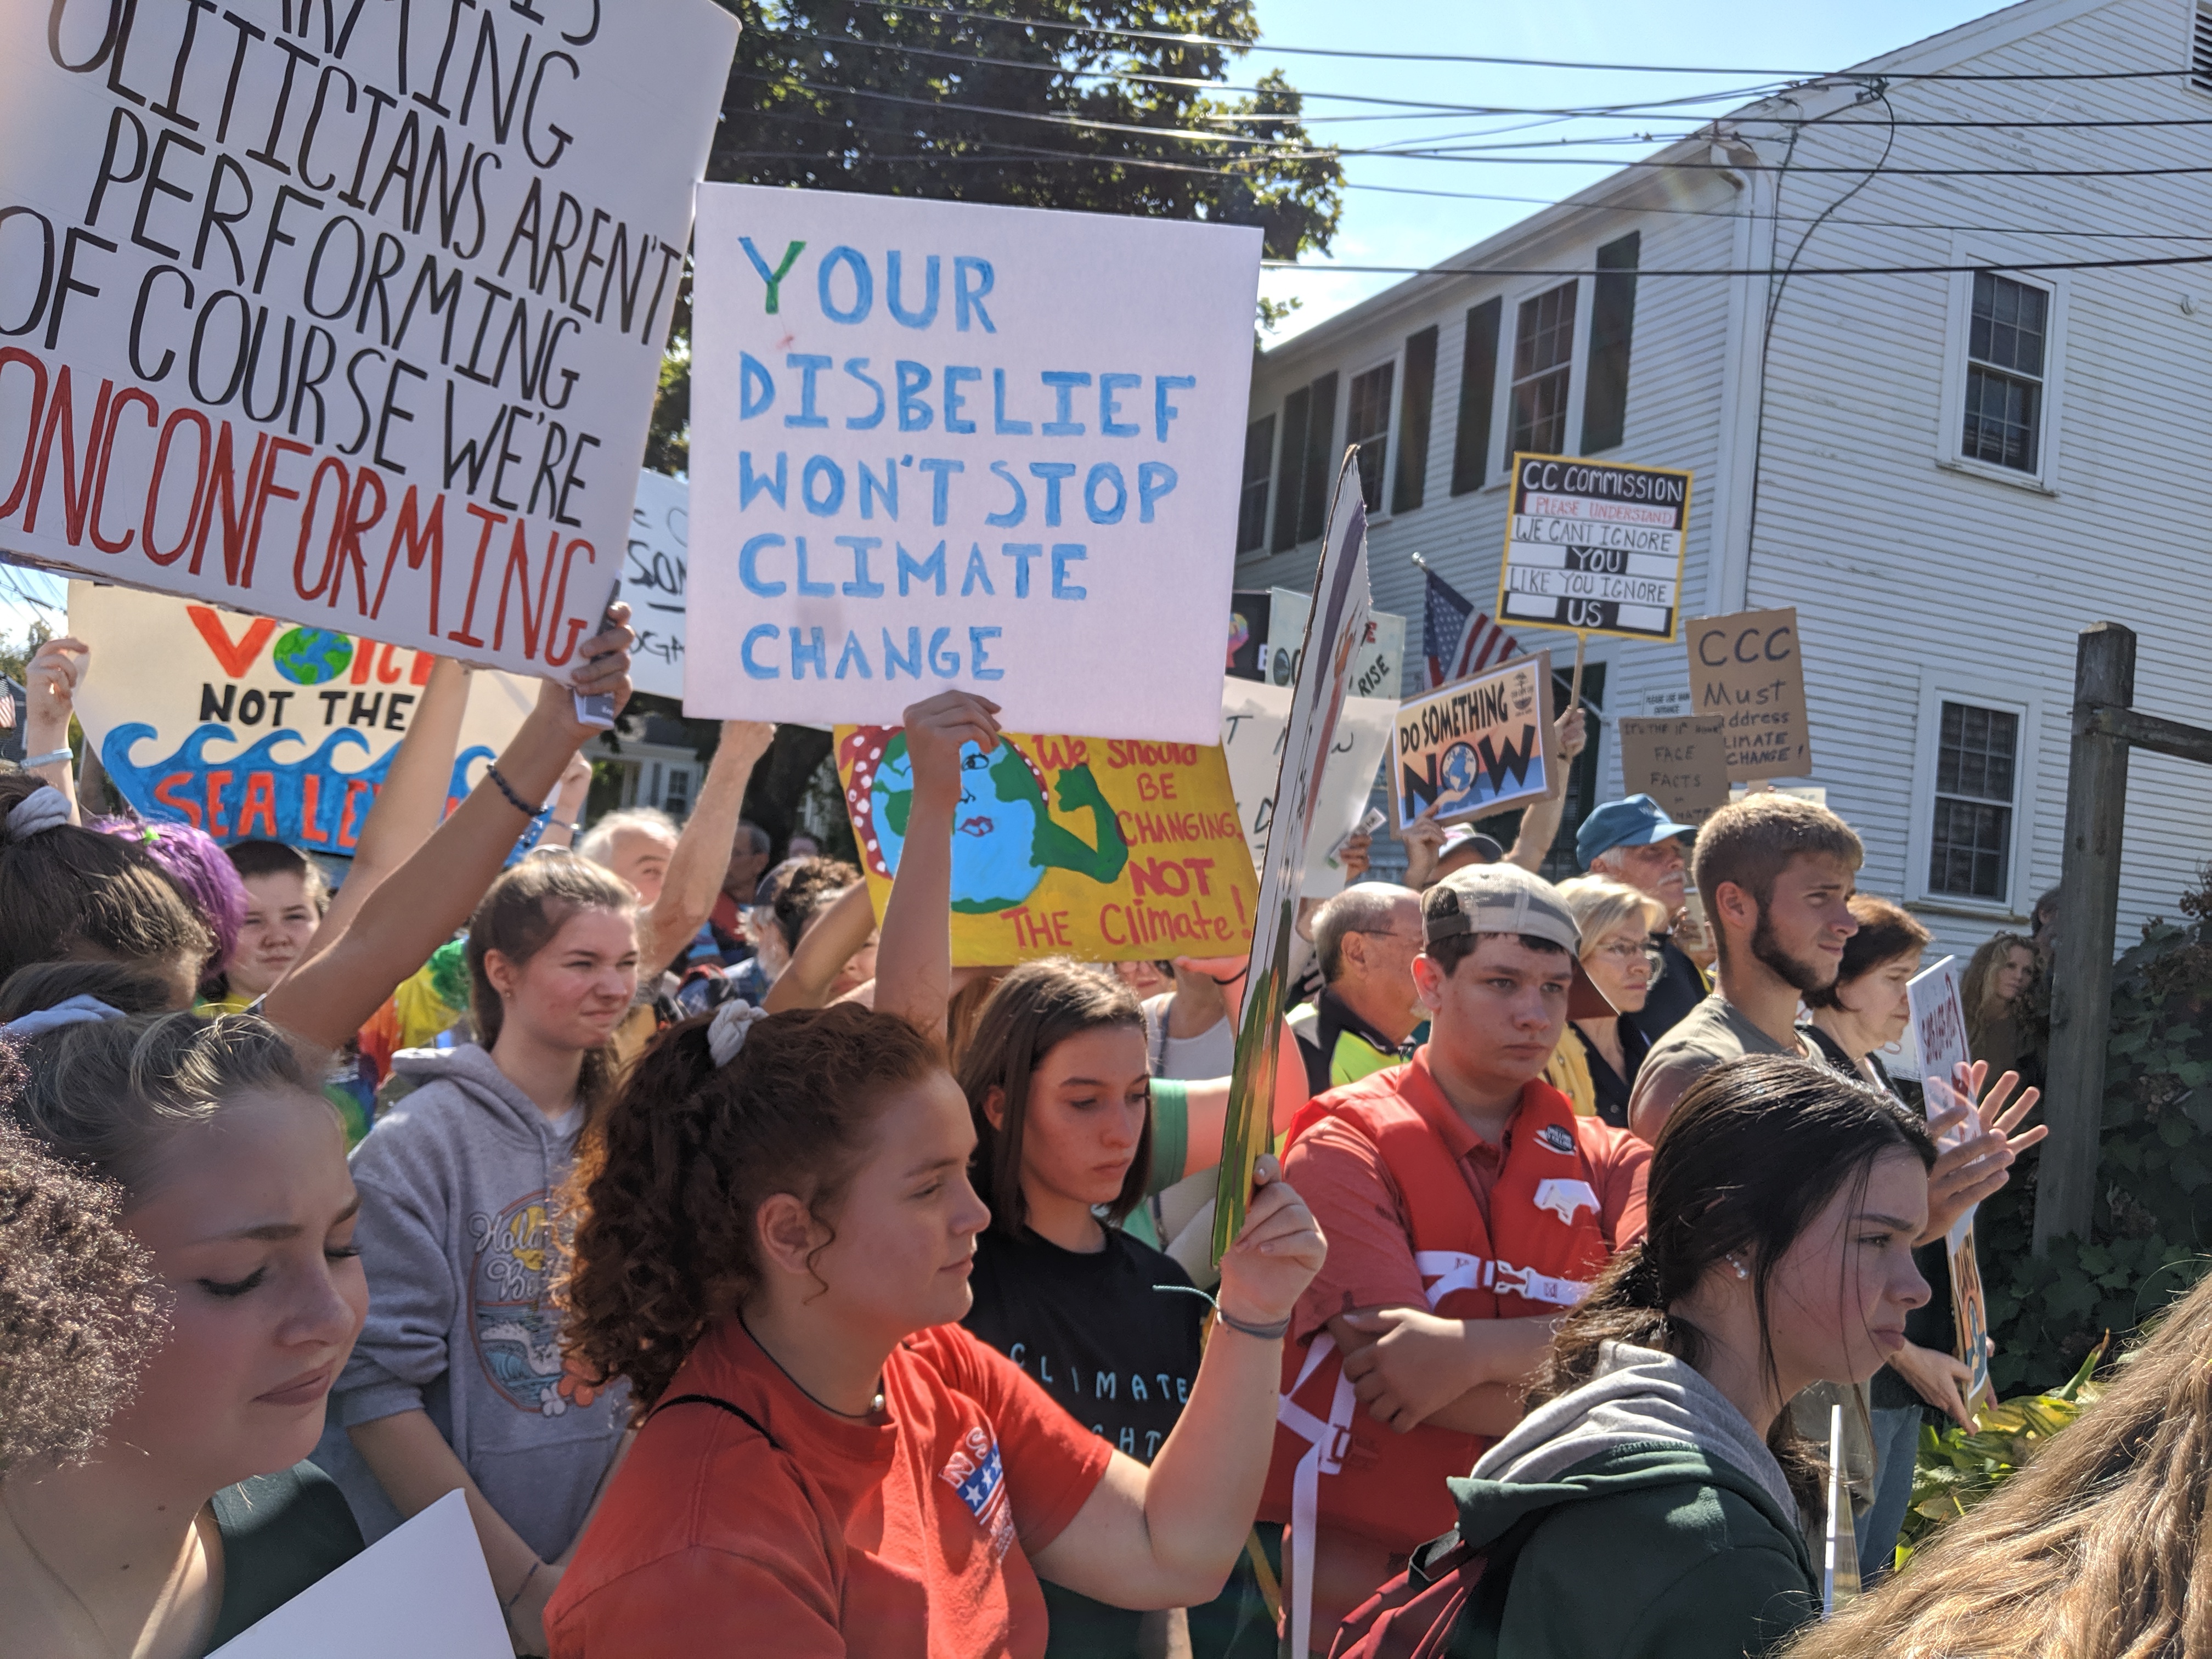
936 444
347 315
248 728
1938 1030
422 1590
1254 719
652 582
1378 668
1595 546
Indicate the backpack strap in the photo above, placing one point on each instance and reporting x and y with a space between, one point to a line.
750 1420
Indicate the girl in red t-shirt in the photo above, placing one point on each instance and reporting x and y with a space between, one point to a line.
775 1249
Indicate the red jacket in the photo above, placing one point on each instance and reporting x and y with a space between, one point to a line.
1534 1255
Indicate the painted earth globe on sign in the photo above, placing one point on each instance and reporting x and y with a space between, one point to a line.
995 864
309 656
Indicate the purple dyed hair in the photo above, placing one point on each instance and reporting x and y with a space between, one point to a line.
197 864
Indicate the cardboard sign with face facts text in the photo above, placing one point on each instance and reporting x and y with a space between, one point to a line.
1747 670
1680 764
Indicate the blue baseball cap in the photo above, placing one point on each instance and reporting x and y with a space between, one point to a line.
1635 822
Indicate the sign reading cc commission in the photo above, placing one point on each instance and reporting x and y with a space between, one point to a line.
1595 547
347 315
941 446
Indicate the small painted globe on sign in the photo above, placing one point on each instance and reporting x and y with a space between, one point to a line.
309 656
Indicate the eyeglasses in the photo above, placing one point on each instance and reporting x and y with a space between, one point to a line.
1627 955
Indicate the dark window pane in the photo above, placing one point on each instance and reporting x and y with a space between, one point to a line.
1321 458
1410 482
2009 323
1367 423
1252 502
1545 335
1290 491
1540 414
1543 347
1613 323
1971 846
2002 417
1975 751
1478 382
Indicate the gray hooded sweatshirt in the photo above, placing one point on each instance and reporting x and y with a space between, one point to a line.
1638 1517
1638 1395
457 1183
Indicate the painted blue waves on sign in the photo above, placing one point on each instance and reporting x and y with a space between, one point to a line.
309 801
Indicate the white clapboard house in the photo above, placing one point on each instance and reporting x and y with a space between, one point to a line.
1946 473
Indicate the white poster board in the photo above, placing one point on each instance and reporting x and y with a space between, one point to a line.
249 728
653 579
1254 720
1595 546
421 1591
937 445
1939 1032
1376 669
358 324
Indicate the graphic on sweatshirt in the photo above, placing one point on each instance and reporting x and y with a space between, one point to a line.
517 1331
980 1477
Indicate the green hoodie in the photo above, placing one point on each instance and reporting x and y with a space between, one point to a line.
1620 1525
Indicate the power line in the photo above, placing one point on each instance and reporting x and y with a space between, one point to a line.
1024 153
1171 38
1743 271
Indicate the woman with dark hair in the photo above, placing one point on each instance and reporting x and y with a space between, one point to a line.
775 1247
72 894
2096 1549
196 861
458 1381
1657 1458
1065 1137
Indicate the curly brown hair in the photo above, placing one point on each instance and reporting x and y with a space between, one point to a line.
80 1306
662 1202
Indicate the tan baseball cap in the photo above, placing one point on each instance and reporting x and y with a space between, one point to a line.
1504 898
1498 898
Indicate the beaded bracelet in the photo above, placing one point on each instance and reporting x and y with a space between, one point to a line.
513 799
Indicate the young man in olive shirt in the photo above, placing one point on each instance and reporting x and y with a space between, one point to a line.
1777 874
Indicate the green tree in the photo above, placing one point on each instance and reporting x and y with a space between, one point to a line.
978 104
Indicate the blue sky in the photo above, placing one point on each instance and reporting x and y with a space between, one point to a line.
1380 228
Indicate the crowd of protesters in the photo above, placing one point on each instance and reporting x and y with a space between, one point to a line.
758 1276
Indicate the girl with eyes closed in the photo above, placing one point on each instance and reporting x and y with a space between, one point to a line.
196 1515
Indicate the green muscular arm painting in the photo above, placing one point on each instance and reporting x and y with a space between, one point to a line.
1054 845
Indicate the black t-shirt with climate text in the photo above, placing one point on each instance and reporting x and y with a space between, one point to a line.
1120 1356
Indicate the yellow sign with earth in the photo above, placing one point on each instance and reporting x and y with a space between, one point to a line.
1105 851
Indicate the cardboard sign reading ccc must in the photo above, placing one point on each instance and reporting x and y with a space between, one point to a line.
1747 668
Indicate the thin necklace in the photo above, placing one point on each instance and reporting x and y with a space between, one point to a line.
875 1406
46 1567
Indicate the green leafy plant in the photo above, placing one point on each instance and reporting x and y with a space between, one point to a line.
1957 1468
2152 1224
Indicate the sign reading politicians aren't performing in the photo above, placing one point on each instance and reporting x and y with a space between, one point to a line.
1595 546
940 445
351 316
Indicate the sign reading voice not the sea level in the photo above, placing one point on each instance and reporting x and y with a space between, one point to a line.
1108 851
937 444
1595 547
349 316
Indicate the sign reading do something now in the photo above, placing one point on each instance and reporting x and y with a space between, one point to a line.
942 446
346 315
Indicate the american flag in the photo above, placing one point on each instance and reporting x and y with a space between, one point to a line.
7 705
1456 639
981 1481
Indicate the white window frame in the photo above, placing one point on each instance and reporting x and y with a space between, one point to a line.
1509 325
1938 687
1394 360
1950 451
2191 14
